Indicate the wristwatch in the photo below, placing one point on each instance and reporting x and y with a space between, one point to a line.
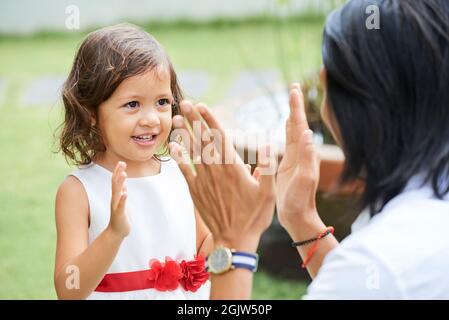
223 259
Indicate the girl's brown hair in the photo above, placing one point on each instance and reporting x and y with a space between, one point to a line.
105 58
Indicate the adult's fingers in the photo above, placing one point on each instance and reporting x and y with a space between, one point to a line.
291 125
266 165
295 85
256 173
304 124
199 155
198 127
292 128
176 153
295 125
220 139
307 154
194 121
183 133
209 117
297 107
193 117
224 144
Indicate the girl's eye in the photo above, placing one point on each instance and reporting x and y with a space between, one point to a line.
132 105
162 102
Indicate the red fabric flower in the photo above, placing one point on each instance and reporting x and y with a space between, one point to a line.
195 273
166 275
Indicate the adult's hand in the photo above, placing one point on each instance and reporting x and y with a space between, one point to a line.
237 206
297 183
299 170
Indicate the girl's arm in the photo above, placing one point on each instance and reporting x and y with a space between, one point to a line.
79 267
204 239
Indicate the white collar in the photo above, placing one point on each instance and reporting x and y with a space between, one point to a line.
414 188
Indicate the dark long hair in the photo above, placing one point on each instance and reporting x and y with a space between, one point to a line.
388 91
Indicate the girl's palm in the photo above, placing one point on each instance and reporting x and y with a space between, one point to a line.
119 222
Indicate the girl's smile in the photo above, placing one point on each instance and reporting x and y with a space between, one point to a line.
147 139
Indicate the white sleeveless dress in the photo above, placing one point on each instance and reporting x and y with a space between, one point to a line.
162 220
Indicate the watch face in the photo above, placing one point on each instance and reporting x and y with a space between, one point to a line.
220 260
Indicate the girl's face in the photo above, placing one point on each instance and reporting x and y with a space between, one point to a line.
136 120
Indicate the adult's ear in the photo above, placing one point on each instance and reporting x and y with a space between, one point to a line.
324 104
93 121
323 77
326 113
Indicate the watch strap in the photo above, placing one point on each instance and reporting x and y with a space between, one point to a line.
245 260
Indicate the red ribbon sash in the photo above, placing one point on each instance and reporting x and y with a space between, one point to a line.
190 275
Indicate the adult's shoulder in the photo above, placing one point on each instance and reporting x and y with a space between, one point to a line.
407 231
392 255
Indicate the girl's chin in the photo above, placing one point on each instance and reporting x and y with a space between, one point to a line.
145 155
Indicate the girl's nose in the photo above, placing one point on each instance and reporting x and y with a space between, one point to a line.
149 117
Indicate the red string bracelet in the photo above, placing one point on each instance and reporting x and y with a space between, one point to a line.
312 250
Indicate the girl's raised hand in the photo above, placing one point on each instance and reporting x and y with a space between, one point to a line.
119 223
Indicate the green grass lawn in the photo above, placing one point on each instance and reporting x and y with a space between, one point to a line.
30 173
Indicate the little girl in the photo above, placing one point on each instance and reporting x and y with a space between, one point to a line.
126 225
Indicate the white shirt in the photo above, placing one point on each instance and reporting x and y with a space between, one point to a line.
400 253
